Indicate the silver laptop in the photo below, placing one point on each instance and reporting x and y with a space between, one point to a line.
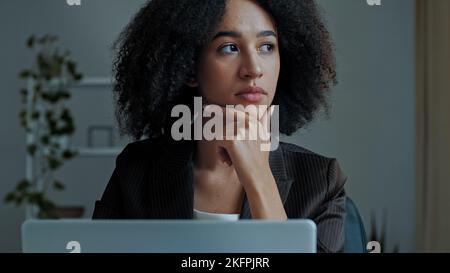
169 236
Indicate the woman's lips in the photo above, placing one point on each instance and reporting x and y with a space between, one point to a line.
251 97
252 94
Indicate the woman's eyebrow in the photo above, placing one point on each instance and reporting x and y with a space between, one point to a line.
236 34
266 33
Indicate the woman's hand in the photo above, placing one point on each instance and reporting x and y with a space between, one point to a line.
244 151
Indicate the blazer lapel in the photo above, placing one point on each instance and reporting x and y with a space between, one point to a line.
172 180
278 168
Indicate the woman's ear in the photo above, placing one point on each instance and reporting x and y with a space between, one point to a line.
192 82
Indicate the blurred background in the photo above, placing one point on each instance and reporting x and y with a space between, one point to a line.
388 127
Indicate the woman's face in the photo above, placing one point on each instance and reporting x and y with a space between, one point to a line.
243 53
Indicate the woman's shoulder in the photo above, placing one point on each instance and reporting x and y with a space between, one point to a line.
140 149
306 165
291 147
162 151
293 150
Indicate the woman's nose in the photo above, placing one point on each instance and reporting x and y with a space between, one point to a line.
251 68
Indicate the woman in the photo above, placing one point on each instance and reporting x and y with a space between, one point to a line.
229 52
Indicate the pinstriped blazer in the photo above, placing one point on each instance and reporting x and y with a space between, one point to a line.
153 179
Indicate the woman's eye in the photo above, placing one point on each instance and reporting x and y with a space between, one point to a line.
266 48
230 48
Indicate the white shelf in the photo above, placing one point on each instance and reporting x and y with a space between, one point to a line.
96 81
99 152
90 81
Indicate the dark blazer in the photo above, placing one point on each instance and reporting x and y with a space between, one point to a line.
153 179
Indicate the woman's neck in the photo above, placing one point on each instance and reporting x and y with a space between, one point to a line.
208 158
216 185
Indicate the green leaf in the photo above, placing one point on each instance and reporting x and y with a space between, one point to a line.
55 145
41 40
25 74
32 149
52 38
46 209
43 214
23 122
63 94
45 204
53 163
23 185
38 87
58 185
10 197
71 67
43 65
23 118
19 201
23 113
68 154
23 92
35 115
34 197
51 97
30 41
45 139
47 214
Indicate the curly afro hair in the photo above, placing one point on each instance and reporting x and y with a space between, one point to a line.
153 65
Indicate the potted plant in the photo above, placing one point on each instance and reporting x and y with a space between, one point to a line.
380 238
49 126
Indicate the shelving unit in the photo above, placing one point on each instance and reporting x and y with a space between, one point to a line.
87 82
102 151
99 152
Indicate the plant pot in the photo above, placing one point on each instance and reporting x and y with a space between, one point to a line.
68 211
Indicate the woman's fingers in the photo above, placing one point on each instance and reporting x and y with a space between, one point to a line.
224 156
235 122
242 123
265 123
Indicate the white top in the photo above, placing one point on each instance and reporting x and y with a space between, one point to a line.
203 215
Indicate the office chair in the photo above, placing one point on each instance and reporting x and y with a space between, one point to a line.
355 234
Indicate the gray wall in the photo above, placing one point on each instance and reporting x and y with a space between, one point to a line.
88 31
371 131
